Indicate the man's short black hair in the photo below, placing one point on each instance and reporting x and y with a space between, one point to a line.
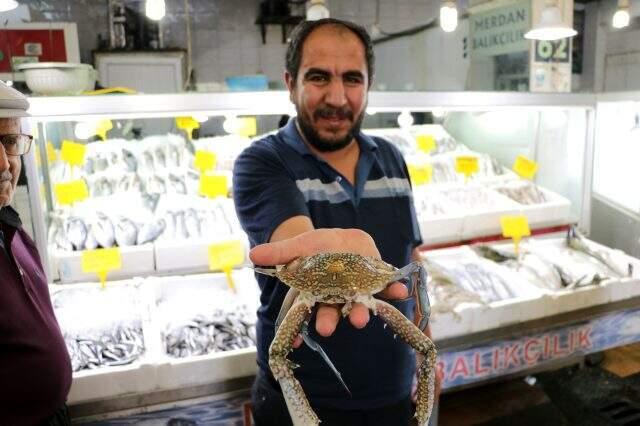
302 31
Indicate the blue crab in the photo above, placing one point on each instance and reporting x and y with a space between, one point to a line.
346 278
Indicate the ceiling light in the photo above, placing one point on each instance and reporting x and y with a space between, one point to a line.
550 26
317 9
448 16
6 5
405 119
621 17
155 9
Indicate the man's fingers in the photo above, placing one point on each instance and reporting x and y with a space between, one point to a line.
359 315
297 341
327 319
395 291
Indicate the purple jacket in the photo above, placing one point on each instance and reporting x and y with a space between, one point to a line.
35 371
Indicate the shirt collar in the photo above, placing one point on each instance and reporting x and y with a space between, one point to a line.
10 217
289 133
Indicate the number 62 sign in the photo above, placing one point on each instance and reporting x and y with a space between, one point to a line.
553 51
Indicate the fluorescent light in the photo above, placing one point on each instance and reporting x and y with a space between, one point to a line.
550 26
448 16
317 10
6 5
621 17
155 9
405 119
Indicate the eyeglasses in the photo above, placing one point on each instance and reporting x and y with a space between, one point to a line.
16 144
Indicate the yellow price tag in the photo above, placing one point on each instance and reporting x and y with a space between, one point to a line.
426 143
205 160
213 186
71 192
188 124
420 175
247 126
101 262
467 165
51 153
73 153
103 127
515 227
225 256
525 167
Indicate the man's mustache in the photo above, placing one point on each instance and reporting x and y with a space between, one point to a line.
332 112
6 175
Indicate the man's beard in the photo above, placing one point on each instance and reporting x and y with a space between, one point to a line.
328 145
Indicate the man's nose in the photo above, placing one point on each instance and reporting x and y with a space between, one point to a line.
336 96
4 159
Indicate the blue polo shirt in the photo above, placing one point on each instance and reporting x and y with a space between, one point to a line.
278 177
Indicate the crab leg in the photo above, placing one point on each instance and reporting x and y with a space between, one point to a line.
421 343
291 296
299 408
418 275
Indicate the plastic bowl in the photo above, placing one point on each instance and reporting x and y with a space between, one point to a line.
58 78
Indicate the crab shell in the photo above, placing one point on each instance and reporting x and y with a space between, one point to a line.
337 277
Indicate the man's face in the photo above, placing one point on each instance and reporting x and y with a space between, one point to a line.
9 165
330 90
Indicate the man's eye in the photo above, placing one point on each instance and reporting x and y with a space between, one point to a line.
9 141
353 79
317 78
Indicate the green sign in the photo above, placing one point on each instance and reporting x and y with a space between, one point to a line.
553 51
500 30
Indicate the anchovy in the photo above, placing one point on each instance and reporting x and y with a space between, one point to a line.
126 232
151 231
130 160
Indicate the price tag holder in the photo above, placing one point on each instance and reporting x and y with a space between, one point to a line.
101 262
71 192
213 186
73 153
205 161
515 227
188 124
51 153
420 175
247 126
225 256
467 165
524 167
426 143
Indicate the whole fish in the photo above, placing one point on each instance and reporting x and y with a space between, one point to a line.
181 226
58 234
156 184
130 160
90 243
177 184
101 163
123 183
89 167
150 201
136 184
103 231
576 241
170 226
174 156
161 158
126 232
76 231
446 294
192 223
151 231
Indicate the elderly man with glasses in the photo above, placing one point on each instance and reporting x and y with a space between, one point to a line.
35 371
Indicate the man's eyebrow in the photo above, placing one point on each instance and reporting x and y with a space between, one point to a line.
320 71
358 74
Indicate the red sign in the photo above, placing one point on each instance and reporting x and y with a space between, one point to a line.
45 45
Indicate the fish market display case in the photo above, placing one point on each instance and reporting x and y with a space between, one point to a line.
141 190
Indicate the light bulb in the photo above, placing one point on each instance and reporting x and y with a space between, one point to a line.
201 118
7 5
231 124
405 119
84 129
550 26
621 18
448 17
155 9
317 10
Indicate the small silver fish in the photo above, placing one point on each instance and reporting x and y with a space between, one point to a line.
161 158
89 167
136 184
101 163
103 231
123 183
156 184
192 223
126 232
76 231
174 156
177 184
149 163
181 227
90 243
170 226
130 160
150 201
151 231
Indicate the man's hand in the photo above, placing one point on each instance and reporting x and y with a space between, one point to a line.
323 241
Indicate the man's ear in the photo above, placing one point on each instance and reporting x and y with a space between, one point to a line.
290 82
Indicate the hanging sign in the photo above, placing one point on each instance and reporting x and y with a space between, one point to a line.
73 153
101 261
524 167
225 256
